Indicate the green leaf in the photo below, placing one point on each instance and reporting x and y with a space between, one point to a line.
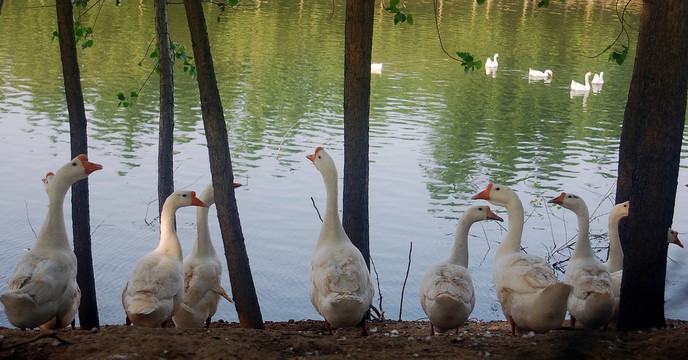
409 19
120 96
134 94
480 2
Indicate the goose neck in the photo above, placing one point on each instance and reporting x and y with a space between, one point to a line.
583 247
54 232
512 240
203 245
169 242
332 229
459 251
616 255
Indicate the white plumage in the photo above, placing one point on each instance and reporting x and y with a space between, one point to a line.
532 298
43 290
154 290
576 86
591 301
202 273
446 290
341 289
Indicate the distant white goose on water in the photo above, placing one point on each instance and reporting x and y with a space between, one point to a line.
446 290
43 290
341 289
532 298
154 290
376 68
539 75
591 301
598 79
576 86
202 273
491 64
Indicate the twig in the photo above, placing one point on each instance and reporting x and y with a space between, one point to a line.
439 37
381 313
316 209
29 220
290 128
43 334
401 305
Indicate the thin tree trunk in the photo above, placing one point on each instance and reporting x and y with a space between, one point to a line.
649 156
357 55
81 227
166 125
243 289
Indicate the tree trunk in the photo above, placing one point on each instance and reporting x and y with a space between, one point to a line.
166 125
357 54
649 156
243 290
81 227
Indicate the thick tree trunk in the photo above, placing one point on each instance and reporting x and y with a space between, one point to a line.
166 125
243 290
357 54
649 156
81 227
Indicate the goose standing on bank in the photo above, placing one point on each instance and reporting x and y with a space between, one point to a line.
43 290
154 290
202 273
446 290
341 289
591 301
615 260
532 298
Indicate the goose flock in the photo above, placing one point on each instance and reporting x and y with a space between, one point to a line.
164 287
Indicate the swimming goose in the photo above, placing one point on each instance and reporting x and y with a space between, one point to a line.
43 290
591 301
154 290
489 63
539 75
202 273
341 289
532 298
598 79
446 290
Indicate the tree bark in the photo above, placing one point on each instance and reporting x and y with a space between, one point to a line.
649 156
81 227
166 124
357 54
243 290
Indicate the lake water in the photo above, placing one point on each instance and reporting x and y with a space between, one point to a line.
437 137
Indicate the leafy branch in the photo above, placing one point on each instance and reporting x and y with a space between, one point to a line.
402 14
178 52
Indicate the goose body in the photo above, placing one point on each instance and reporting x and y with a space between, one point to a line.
43 290
539 75
446 290
532 298
202 273
155 288
376 68
576 86
615 261
491 64
341 289
591 301
598 79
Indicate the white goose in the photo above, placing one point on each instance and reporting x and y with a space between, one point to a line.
531 296
202 273
376 68
491 64
598 79
154 290
576 86
615 261
591 300
539 75
446 290
341 289
43 290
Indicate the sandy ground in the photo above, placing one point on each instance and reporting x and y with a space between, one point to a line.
307 339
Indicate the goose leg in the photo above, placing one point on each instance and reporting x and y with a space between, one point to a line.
363 325
207 322
573 321
432 329
513 325
127 321
329 328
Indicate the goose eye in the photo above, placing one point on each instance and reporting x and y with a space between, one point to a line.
497 188
73 164
480 209
183 195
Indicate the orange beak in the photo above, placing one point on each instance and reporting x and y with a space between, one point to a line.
236 185
89 167
196 201
485 194
559 199
491 215
312 156
677 241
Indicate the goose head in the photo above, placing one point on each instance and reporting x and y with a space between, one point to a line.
323 161
480 213
183 198
48 182
208 194
569 201
77 169
500 195
619 210
672 238
549 73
